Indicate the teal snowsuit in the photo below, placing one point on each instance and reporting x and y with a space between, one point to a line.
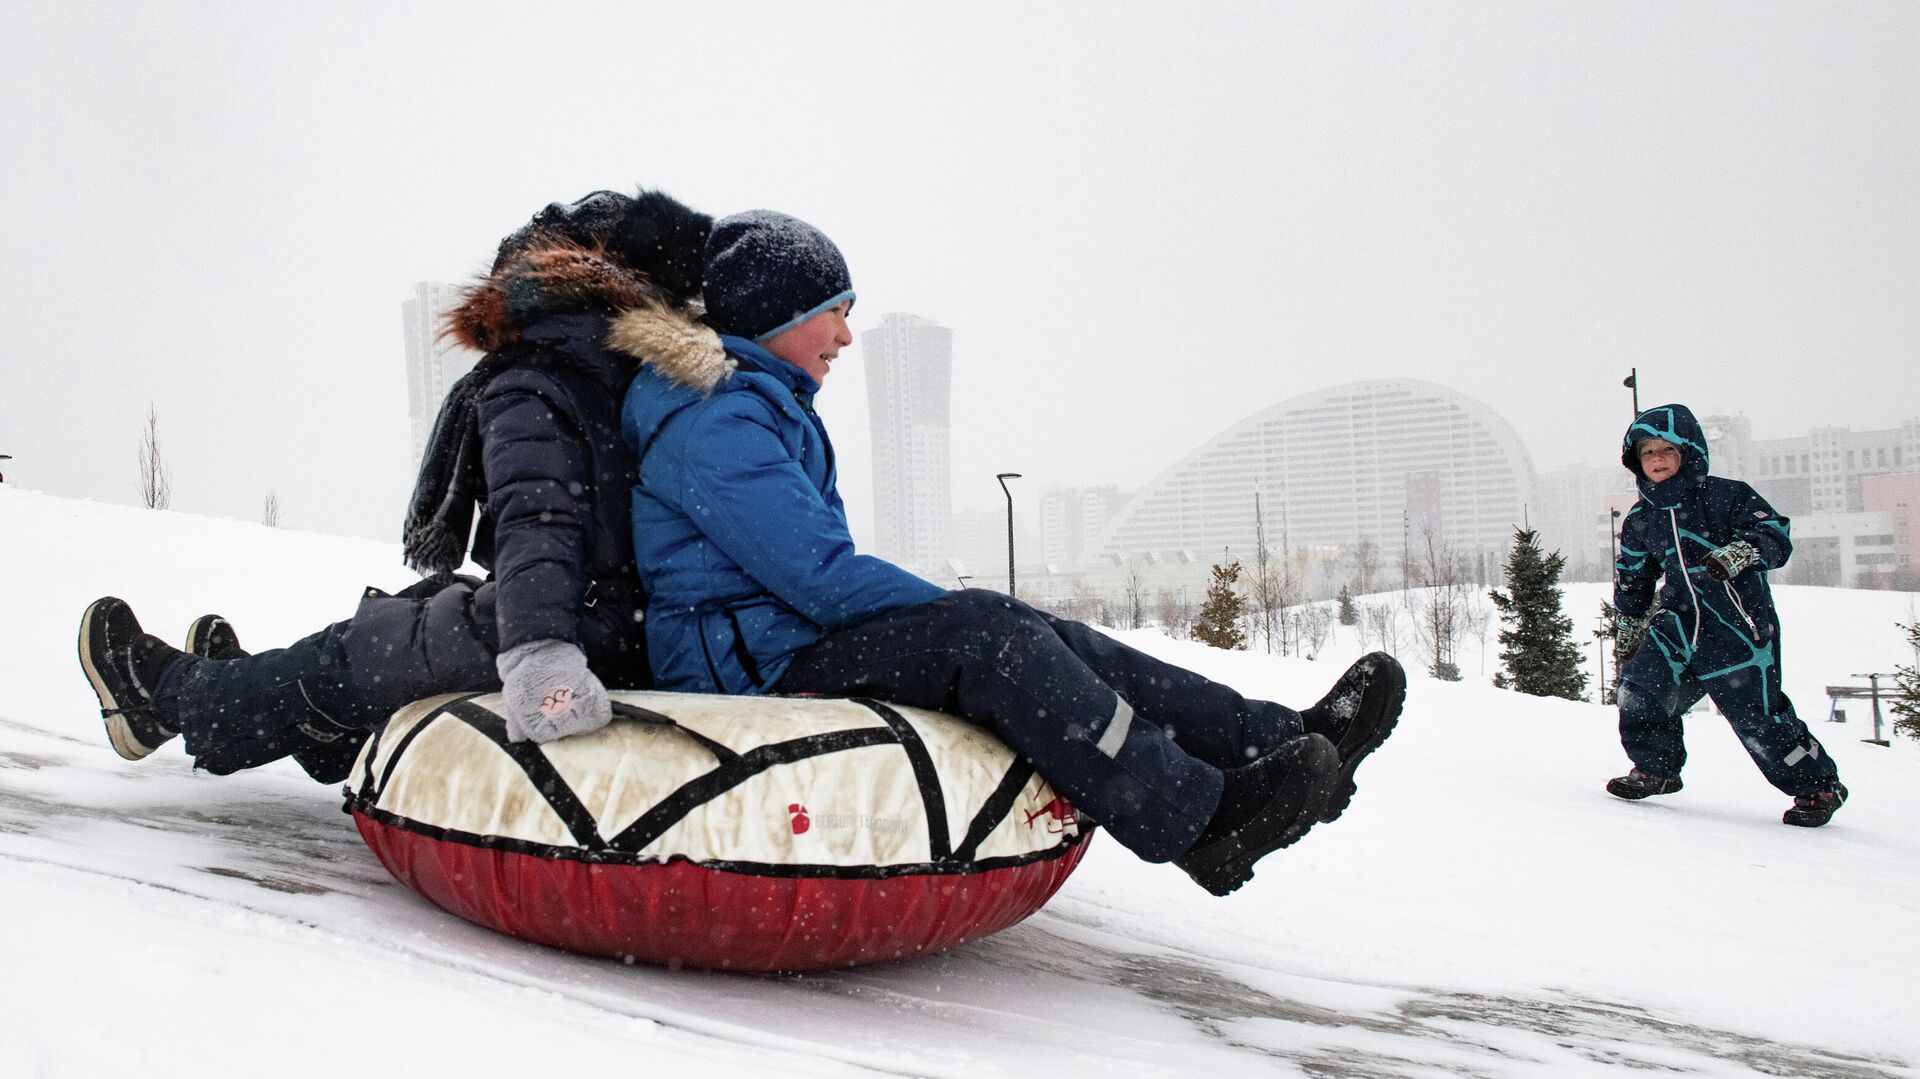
1714 638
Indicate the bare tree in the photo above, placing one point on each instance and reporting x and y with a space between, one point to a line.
1266 606
1440 608
1316 625
1264 588
1079 604
156 479
1364 559
1133 592
1293 577
1323 566
1175 612
270 510
1409 566
1479 617
1384 621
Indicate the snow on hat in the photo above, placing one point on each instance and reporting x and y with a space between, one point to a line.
768 272
651 232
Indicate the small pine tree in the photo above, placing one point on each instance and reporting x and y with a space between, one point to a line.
1537 649
1906 701
1221 612
1608 631
1349 614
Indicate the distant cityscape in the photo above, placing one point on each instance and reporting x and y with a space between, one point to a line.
1345 485
434 362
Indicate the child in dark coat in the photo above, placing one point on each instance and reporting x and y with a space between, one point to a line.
531 440
1714 630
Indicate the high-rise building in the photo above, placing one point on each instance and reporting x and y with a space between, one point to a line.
1577 511
979 548
1819 472
433 362
1897 497
1072 516
909 363
1837 549
1847 492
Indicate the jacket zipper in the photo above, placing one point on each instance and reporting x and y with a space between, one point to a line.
1742 608
1674 520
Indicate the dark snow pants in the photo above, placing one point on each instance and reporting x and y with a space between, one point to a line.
1670 673
1135 743
318 698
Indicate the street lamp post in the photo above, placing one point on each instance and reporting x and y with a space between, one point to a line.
1003 477
1600 647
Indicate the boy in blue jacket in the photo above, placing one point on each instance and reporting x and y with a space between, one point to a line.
1714 630
753 586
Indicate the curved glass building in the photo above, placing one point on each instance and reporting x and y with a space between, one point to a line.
1387 460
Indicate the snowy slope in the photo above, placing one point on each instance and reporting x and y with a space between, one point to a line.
1483 909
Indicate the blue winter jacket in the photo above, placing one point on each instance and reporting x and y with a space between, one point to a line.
738 530
1677 521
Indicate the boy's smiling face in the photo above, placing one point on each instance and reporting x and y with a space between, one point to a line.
1659 459
813 345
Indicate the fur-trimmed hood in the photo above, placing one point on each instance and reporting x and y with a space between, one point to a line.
555 286
603 253
555 276
645 322
668 341
574 306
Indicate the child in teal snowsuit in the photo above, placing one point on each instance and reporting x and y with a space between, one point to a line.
1714 630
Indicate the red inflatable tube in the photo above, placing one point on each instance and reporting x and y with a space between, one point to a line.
682 914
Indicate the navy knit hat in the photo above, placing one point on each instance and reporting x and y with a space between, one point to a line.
767 272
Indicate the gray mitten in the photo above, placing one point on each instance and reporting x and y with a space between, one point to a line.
1726 563
550 692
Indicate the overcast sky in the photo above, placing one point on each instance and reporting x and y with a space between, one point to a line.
1142 222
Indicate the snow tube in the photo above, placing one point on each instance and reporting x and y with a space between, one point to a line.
742 833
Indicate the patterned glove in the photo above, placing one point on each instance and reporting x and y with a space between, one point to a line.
550 693
1628 632
1726 563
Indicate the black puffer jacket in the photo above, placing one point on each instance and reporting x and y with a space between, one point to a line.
555 530
552 476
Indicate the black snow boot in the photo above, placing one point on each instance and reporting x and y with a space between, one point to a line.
325 754
1636 785
124 665
212 637
1815 809
1357 715
1264 806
